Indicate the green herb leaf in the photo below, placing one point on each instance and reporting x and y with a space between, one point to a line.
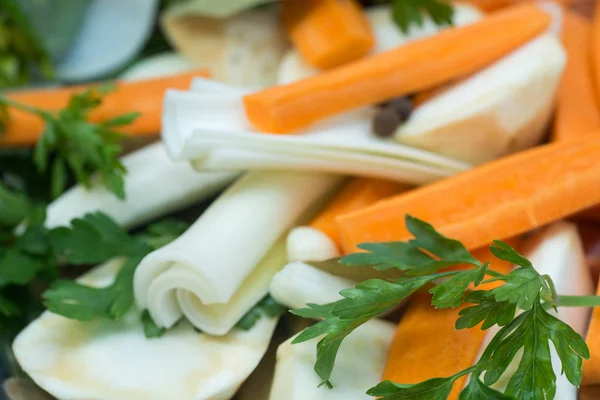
476 390
410 12
266 307
531 331
450 293
92 239
522 287
487 309
151 330
432 389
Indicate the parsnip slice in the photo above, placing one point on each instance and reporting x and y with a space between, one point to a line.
359 366
305 243
499 110
222 265
244 49
104 360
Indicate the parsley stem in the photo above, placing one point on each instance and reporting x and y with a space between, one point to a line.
578 301
495 274
5 101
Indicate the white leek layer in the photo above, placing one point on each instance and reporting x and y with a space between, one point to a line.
558 252
105 360
305 243
499 110
359 366
298 284
222 265
154 186
208 126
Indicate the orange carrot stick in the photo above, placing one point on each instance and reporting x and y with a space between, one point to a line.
577 111
328 33
493 5
591 367
596 50
357 194
145 96
494 201
427 345
407 69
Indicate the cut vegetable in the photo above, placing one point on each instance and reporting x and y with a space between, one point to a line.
427 345
319 240
144 96
244 49
113 360
497 200
154 186
596 50
328 33
577 111
499 110
163 64
208 127
298 284
557 252
222 265
416 66
293 66
358 366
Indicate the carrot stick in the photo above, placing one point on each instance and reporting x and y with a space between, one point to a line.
577 112
596 50
425 334
493 5
357 194
497 200
328 33
591 367
144 96
407 69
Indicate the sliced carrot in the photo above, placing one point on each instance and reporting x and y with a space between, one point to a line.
577 111
356 194
497 200
411 68
596 50
493 5
144 96
328 33
591 367
427 345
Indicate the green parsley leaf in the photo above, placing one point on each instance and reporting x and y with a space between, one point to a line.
79 146
14 207
408 12
532 331
366 300
266 307
522 287
151 330
92 239
486 309
451 292
476 390
432 389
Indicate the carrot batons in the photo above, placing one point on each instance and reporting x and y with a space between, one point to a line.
493 5
427 345
494 201
577 111
357 194
145 97
328 33
416 66
591 367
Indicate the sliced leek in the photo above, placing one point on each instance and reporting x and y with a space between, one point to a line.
222 265
154 186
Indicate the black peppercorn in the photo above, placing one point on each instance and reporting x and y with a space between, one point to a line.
386 121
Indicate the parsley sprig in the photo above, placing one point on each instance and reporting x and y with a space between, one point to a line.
519 307
410 12
70 143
